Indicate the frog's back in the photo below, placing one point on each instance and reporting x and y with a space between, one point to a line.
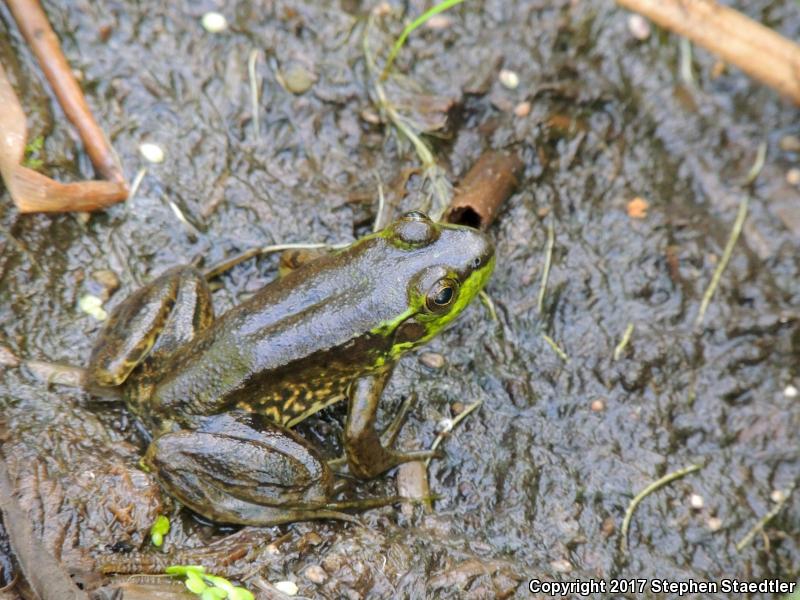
291 349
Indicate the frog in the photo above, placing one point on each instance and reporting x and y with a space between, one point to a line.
217 398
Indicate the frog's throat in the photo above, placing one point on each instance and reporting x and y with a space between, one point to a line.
469 289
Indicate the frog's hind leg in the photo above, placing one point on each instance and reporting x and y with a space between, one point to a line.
151 323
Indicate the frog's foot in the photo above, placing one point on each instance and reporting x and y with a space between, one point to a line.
239 467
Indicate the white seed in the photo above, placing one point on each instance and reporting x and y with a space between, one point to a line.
287 587
151 152
509 79
790 391
696 501
714 523
92 305
777 496
639 27
214 22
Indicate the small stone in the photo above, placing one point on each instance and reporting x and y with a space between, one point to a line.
107 282
151 152
608 527
7 358
696 501
561 565
793 176
298 79
637 208
287 587
789 143
598 405
214 22
93 306
315 574
523 109
433 360
639 27
714 523
458 407
439 22
790 391
509 79
777 496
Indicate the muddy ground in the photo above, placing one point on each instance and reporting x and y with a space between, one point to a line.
536 482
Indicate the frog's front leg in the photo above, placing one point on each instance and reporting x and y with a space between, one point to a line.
367 456
150 324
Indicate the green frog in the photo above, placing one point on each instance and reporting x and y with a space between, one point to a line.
219 396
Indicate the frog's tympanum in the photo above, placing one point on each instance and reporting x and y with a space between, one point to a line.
220 396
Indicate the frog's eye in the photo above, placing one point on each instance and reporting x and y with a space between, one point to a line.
414 230
441 295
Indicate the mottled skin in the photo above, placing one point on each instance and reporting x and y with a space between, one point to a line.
328 331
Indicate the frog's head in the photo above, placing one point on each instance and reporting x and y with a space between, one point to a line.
441 267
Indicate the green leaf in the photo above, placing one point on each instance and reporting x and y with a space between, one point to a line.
159 529
184 569
213 594
240 593
195 583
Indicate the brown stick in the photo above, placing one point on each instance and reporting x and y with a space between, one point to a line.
484 188
32 191
34 25
737 39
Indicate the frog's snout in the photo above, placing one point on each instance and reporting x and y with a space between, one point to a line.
476 248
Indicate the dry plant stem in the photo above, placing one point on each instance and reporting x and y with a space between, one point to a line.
755 49
34 25
551 240
488 183
659 483
762 522
32 191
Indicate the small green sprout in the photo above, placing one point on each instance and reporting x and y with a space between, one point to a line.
418 22
159 529
208 587
34 147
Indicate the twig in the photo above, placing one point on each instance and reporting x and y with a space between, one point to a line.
548 257
737 39
481 192
758 164
686 62
377 225
251 72
489 304
623 343
762 522
561 354
33 23
228 264
659 483
451 425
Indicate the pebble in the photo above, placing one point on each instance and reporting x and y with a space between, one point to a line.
639 27
7 358
92 305
637 208
287 587
523 109
598 405
714 523
298 79
315 574
793 176
777 496
509 79
696 501
439 22
790 391
151 152
214 22
561 565
433 360
789 143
